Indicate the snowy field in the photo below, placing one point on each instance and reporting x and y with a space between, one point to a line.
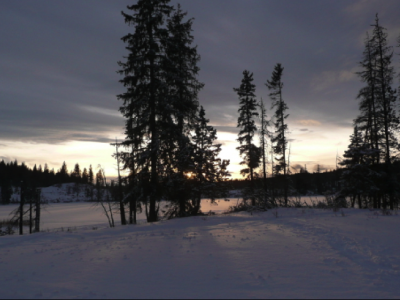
284 253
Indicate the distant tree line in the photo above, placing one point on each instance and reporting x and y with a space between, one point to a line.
12 175
301 182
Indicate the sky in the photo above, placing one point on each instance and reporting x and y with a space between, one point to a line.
59 81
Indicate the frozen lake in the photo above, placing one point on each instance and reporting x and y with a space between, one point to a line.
87 214
78 214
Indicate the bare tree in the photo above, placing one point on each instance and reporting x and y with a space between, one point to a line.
104 195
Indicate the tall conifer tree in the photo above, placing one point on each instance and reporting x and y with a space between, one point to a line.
146 98
378 119
386 95
264 137
279 140
161 98
387 100
183 89
368 120
246 122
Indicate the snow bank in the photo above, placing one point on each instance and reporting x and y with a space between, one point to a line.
294 253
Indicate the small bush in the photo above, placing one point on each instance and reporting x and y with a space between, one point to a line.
386 212
9 230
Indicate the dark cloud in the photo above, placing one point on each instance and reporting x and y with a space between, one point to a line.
59 59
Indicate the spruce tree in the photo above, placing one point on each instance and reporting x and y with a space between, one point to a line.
358 179
76 175
368 120
398 75
264 137
91 175
161 99
183 86
46 170
279 140
386 100
208 168
247 114
6 191
63 173
85 176
146 98
386 95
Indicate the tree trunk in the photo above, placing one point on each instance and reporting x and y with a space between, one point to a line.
37 211
152 216
253 200
21 210
30 214
121 204
131 210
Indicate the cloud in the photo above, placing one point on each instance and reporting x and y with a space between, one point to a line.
329 79
228 129
303 129
309 123
361 6
5 158
225 142
368 8
101 111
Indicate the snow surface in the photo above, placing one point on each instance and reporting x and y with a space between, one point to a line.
83 214
284 253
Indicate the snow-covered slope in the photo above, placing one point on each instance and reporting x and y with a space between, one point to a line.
61 193
66 192
301 253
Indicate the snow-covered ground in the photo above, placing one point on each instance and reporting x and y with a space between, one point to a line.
284 253
86 214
